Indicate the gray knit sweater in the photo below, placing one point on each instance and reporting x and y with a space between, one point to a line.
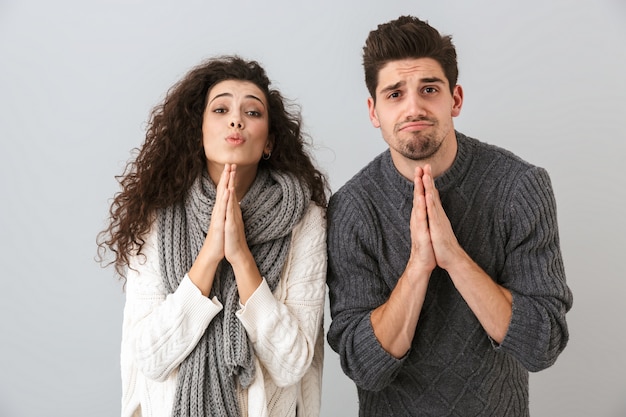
503 212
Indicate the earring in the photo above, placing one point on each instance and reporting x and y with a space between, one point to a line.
267 156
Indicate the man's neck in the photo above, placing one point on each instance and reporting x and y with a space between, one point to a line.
440 162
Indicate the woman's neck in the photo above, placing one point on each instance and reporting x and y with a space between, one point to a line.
244 177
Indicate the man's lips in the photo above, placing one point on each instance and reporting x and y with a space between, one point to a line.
418 125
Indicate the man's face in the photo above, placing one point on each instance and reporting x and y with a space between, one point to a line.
414 108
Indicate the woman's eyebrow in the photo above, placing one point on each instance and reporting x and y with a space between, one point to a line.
251 96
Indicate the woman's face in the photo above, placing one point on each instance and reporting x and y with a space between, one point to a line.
235 126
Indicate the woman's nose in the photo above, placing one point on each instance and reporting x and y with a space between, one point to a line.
237 124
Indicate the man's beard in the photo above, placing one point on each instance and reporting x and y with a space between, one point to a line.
420 148
420 145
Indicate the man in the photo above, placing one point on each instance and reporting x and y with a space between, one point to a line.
446 279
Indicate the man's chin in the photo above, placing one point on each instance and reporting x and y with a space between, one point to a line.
422 154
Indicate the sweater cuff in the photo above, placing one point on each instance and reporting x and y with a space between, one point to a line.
376 368
194 303
523 326
259 306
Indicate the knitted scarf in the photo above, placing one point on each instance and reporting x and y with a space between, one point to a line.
207 378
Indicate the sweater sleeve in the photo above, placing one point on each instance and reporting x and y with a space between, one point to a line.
284 327
160 330
534 273
356 288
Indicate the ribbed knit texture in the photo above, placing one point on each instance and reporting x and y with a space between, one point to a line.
503 213
271 208
285 327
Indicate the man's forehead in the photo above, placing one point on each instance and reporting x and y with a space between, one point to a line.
407 67
396 74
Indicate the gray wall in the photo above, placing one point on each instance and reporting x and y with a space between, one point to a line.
78 78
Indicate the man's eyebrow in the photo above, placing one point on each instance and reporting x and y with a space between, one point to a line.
426 80
393 87
432 80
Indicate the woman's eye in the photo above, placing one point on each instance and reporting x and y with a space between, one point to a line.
254 113
219 110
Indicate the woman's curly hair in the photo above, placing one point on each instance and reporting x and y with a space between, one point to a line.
172 155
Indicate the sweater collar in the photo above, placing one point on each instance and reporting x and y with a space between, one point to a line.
459 167
392 176
457 170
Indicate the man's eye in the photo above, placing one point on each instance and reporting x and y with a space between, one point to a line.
430 90
395 94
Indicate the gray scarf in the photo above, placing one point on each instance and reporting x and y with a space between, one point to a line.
271 208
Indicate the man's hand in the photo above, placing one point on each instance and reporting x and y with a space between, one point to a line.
422 254
490 302
444 242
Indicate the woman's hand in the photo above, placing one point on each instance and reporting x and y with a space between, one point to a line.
236 248
202 271
226 238
214 241
235 245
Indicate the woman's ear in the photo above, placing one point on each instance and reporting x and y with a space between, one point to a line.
269 145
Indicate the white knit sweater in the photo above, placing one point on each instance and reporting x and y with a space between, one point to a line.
286 330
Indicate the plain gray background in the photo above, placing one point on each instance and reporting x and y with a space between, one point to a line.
78 78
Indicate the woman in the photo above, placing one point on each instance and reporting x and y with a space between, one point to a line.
219 232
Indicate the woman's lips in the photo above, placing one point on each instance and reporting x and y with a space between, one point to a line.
235 139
